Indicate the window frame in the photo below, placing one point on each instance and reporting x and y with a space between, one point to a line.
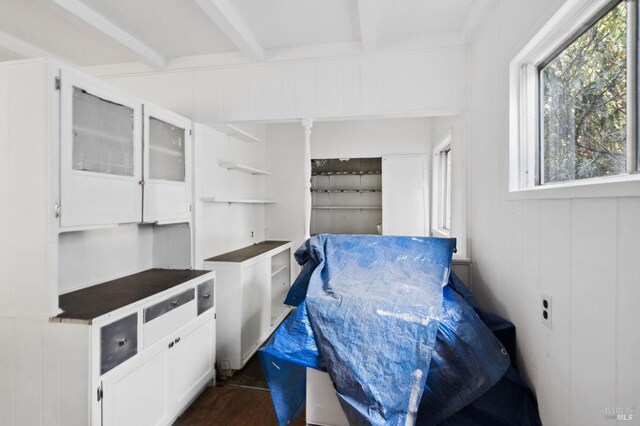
441 182
525 162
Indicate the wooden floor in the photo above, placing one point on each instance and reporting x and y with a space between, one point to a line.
243 399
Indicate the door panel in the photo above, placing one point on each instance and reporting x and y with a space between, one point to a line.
136 392
256 309
100 153
405 196
167 171
190 363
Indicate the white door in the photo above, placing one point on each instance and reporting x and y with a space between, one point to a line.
405 195
136 392
191 362
167 166
100 153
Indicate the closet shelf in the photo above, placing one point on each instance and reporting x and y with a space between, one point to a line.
167 151
344 191
275 270
235 200
124 140
347 207
230 165
359 173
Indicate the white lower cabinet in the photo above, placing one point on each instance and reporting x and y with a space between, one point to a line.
144 362
155 387
251 285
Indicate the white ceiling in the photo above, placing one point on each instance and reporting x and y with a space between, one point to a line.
293 23
155 32
172 27
419 17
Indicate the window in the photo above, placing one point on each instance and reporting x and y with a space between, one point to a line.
573 115
583 103
442 161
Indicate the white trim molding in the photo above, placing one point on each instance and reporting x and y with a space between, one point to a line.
439 182
524 117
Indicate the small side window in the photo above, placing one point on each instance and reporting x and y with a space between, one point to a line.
441 198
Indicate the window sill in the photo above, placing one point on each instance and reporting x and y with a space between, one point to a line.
440 233
604 187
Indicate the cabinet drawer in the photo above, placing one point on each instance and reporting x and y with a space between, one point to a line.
165 317
205 296
118 342
161 308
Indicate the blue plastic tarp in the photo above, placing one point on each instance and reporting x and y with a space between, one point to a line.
399 346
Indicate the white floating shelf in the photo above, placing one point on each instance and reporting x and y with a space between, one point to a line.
235 200
346 208
242 168
170 222
235 132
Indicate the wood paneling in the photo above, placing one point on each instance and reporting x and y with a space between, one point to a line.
432 81
582 252
593 304
627 315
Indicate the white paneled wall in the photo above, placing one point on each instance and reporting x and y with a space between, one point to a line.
26 237
371 138
92 257
285 153
336 139
582 252
221 227
417 82
457 128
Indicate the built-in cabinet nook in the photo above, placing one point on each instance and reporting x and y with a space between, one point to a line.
347 196
127 323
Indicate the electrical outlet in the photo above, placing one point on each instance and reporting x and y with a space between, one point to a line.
225 365
546 306
251 234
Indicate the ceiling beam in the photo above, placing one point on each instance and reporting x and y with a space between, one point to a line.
476 14
368 18
226 18
143 52
22 47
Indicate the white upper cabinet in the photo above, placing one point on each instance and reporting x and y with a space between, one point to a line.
121 161
100 153
167 166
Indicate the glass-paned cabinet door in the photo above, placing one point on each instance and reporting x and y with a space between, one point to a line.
166 151
100 153
167 171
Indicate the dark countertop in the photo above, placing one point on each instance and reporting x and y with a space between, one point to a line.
89 303
248 252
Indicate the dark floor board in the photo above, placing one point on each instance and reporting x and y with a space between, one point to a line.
240 400
232 406
251 375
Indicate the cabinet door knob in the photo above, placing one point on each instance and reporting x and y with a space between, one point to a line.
175 302
177 340
171 345
122 342
206 296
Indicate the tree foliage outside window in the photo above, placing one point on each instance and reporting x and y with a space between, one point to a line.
584 101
